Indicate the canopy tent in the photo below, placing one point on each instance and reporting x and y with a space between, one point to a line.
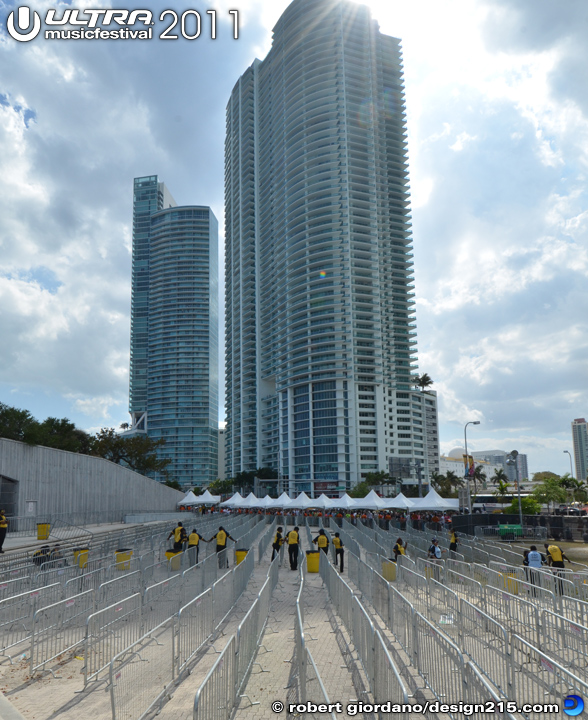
280 502
189 499
399 502
434 501
206 499
302 502
372 501
266 502
233 501
250 501
321 503
343 503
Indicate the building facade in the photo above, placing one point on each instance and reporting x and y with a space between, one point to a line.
320 326
174 331
580 441
497 458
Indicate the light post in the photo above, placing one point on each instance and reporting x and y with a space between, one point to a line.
511 459
571 469
467 464
571 473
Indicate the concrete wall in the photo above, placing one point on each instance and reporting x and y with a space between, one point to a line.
65 482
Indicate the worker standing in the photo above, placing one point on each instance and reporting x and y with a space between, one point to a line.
399 549
452 541
293 547
277 543
221 544
3 528
194 547
322 541
179 535
339 551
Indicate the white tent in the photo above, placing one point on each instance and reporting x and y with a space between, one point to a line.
344 502
206 499
399 502
302 502
189 499
266 502
250 501
233 501
434 501
372 501
282 501
321 503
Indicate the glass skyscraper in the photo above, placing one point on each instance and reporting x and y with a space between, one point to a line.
174 331
320 328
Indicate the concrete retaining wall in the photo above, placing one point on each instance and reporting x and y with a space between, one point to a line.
65 482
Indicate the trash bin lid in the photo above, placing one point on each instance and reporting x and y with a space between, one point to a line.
310 552
243 550
124 550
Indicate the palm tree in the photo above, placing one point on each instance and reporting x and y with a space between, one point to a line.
499 476
478 476
501 491
423 381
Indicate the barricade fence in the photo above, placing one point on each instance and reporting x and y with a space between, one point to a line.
59 628
564 641
110 631
17 612
215 698
195 626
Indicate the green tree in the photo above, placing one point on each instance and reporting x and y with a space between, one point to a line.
360 490
550 491
16 424
479 476
220 487
446 485
544 475
530 506
379 477
61 435
138 452
423 381
499 476
501 491
243 479
173 484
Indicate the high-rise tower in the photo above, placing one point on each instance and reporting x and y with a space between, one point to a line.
174 330
580 441
320 331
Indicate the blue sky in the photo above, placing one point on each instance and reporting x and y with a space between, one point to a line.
497 106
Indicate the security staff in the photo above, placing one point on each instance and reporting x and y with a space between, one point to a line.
3 528
293 546
322 541
399 549
179 535
221 543
194 546
278 542
339 552
556 556
453 541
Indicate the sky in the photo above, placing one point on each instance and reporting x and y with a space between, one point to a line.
497 121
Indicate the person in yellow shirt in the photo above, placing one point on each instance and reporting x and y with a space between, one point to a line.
179 536
278 542
399 549
3 528
339 552
293 547
221 543
556 556
322 541
194 539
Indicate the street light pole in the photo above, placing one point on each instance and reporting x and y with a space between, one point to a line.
467 464
512 460
571 469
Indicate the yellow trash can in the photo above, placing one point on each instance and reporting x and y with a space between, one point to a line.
511 584
174 559
81 556
43 531
312 560
123 559
241 555
389 570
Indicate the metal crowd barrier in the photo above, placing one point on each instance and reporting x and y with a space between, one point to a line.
215 698
17 612
108 632
195 626
59 628
564 641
